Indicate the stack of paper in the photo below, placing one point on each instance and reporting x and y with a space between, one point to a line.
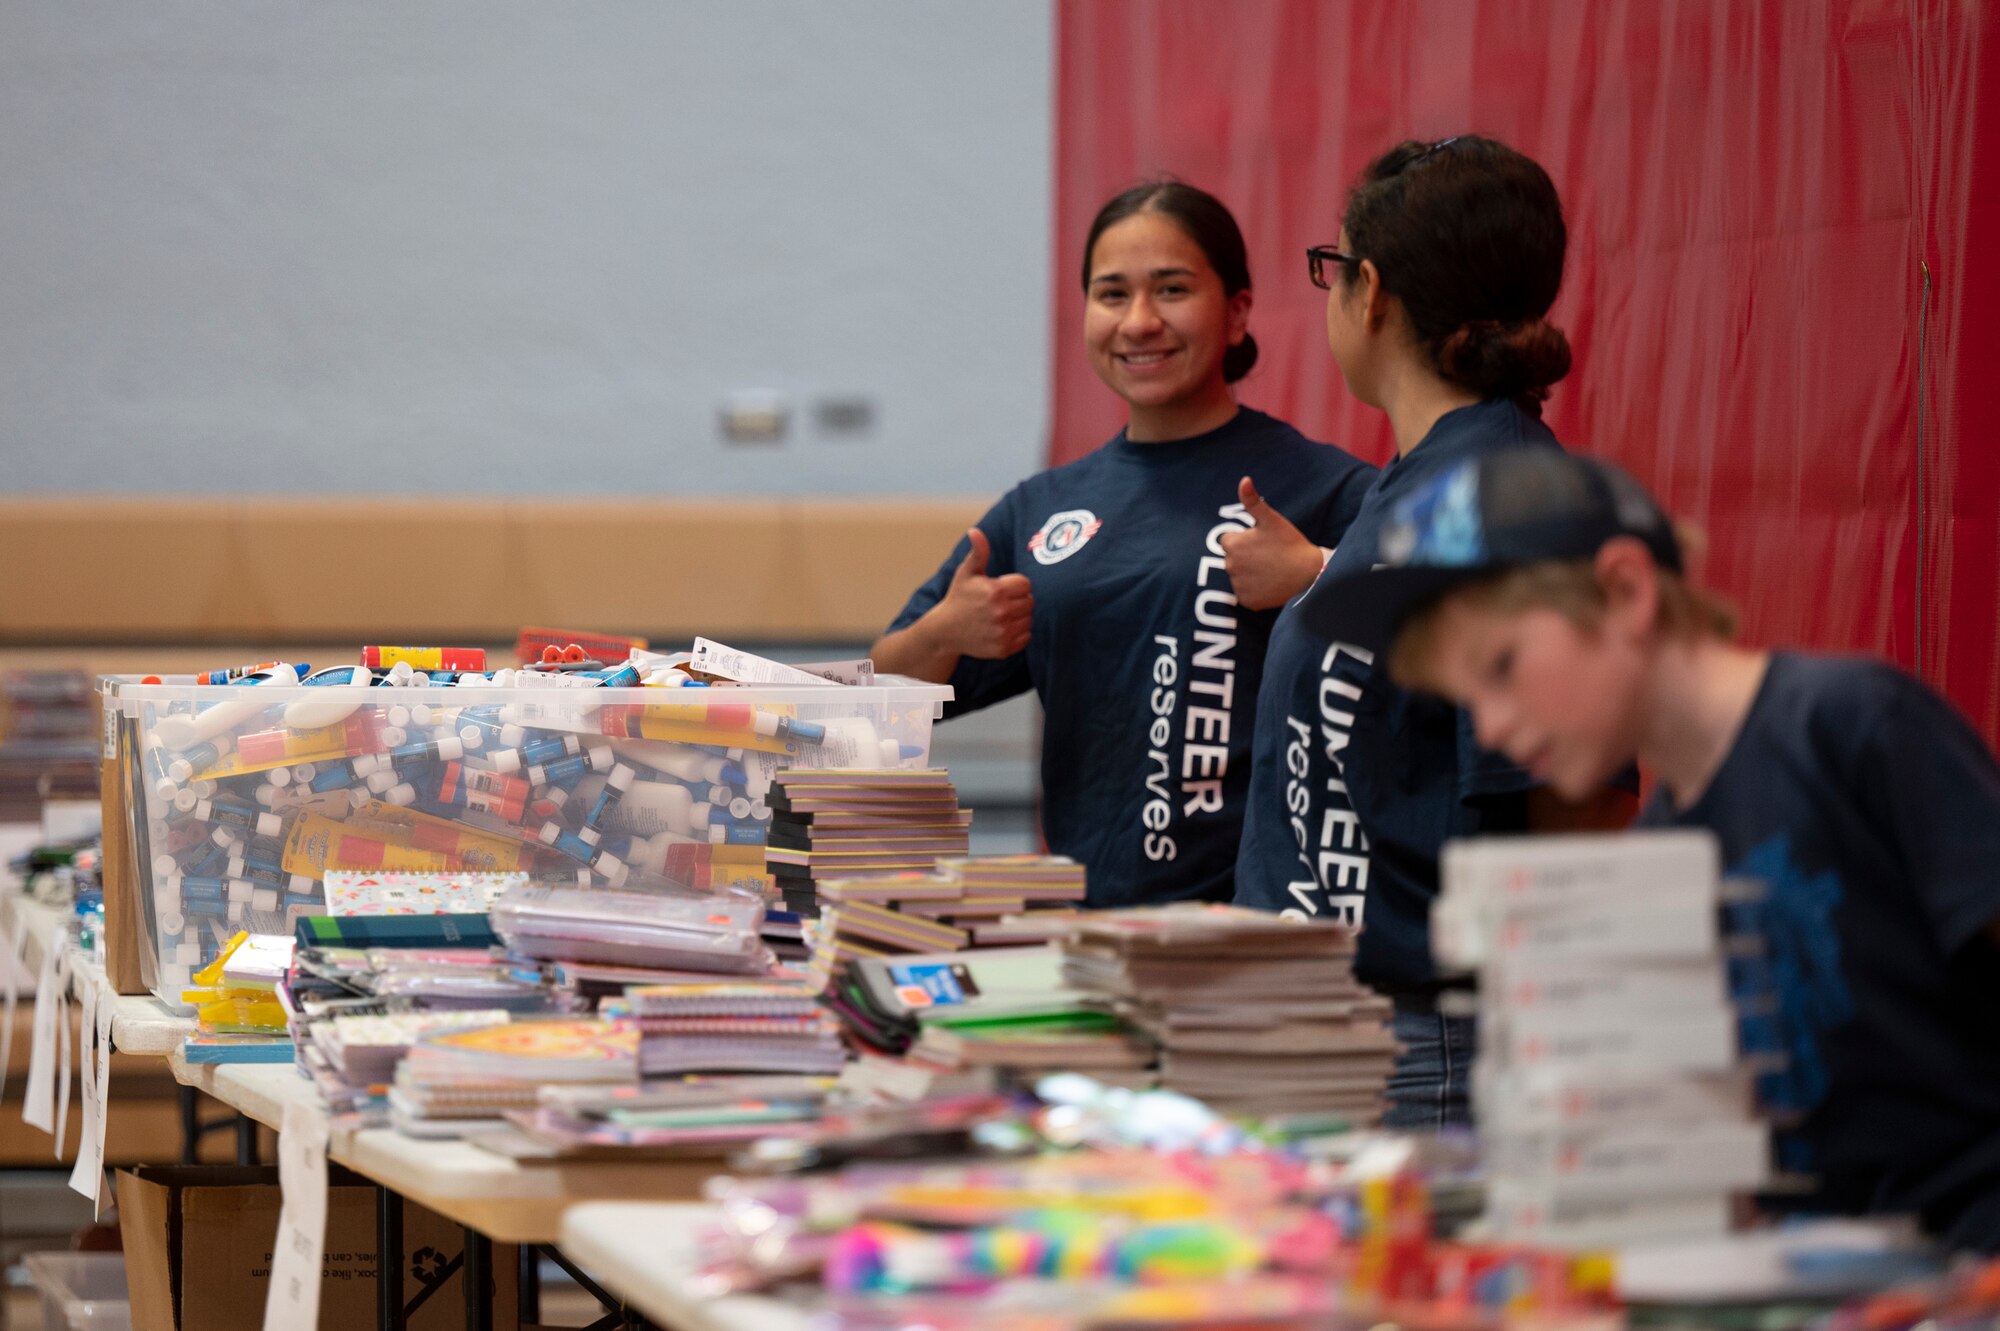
1253 1014
679 930
750 1027
1614 1104
836 824
459 1078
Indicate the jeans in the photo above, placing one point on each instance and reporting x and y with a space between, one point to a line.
1431 1087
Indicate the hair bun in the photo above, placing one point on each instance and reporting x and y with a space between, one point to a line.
1496 359
1239 360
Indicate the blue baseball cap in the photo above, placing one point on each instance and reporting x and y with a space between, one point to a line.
1490 513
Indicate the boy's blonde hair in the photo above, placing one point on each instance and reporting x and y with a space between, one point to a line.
1571 589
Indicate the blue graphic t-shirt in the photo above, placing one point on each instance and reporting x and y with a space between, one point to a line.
1871 811
1355 784
1146 666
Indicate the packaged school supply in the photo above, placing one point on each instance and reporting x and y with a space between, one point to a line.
354 892
669 930
1615 1082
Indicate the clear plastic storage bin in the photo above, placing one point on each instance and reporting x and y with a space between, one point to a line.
81 1289
244 796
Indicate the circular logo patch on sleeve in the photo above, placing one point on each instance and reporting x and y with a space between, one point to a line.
1063 535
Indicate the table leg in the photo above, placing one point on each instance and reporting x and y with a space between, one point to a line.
246 1140
530 1282
617 1317
389 1259
190 1127
478 1281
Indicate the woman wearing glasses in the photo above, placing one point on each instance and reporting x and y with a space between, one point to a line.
1439 287
1120 587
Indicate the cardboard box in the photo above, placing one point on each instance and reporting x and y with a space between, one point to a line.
198 1252
128 943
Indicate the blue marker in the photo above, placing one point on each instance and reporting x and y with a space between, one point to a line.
203 891
621 677
567 772
608 799
333 778
480 727
232 814
538 753
345 674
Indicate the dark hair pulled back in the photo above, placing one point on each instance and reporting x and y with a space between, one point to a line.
1468 234
1209 224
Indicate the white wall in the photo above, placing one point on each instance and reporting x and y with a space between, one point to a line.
520 248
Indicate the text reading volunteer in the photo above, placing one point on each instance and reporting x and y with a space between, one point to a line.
1545 593
1449 257
1106 585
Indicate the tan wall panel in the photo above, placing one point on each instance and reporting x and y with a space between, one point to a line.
80 570
855 564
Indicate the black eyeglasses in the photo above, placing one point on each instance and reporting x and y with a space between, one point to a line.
1321 255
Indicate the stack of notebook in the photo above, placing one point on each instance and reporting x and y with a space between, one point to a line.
1252 1013
685 1116
836 824
769 1026
455 1080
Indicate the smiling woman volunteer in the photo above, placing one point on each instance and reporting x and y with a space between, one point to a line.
1439 287
1111 586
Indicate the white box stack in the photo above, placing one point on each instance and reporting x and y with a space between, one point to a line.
1614 1103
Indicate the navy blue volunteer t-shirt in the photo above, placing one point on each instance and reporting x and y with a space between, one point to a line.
1146 666
1355 784
1871 810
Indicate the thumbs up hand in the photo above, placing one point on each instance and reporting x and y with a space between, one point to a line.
984 617
1273 561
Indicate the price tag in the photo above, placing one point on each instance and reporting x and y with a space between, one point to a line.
63 1043
89 1158
38 1107
11 981
295 1264
107 1008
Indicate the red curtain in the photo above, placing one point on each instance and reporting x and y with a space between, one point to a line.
1754 191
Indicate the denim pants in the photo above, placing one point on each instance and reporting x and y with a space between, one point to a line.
1431 1087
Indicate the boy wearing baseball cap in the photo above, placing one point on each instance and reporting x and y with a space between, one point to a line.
1544 593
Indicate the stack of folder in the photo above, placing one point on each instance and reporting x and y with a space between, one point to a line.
1252 1013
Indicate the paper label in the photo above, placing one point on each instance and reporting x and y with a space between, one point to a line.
38 1105
16 948
107 1009
940 983
60 943
301 1241
719 662
89 1159
861 672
